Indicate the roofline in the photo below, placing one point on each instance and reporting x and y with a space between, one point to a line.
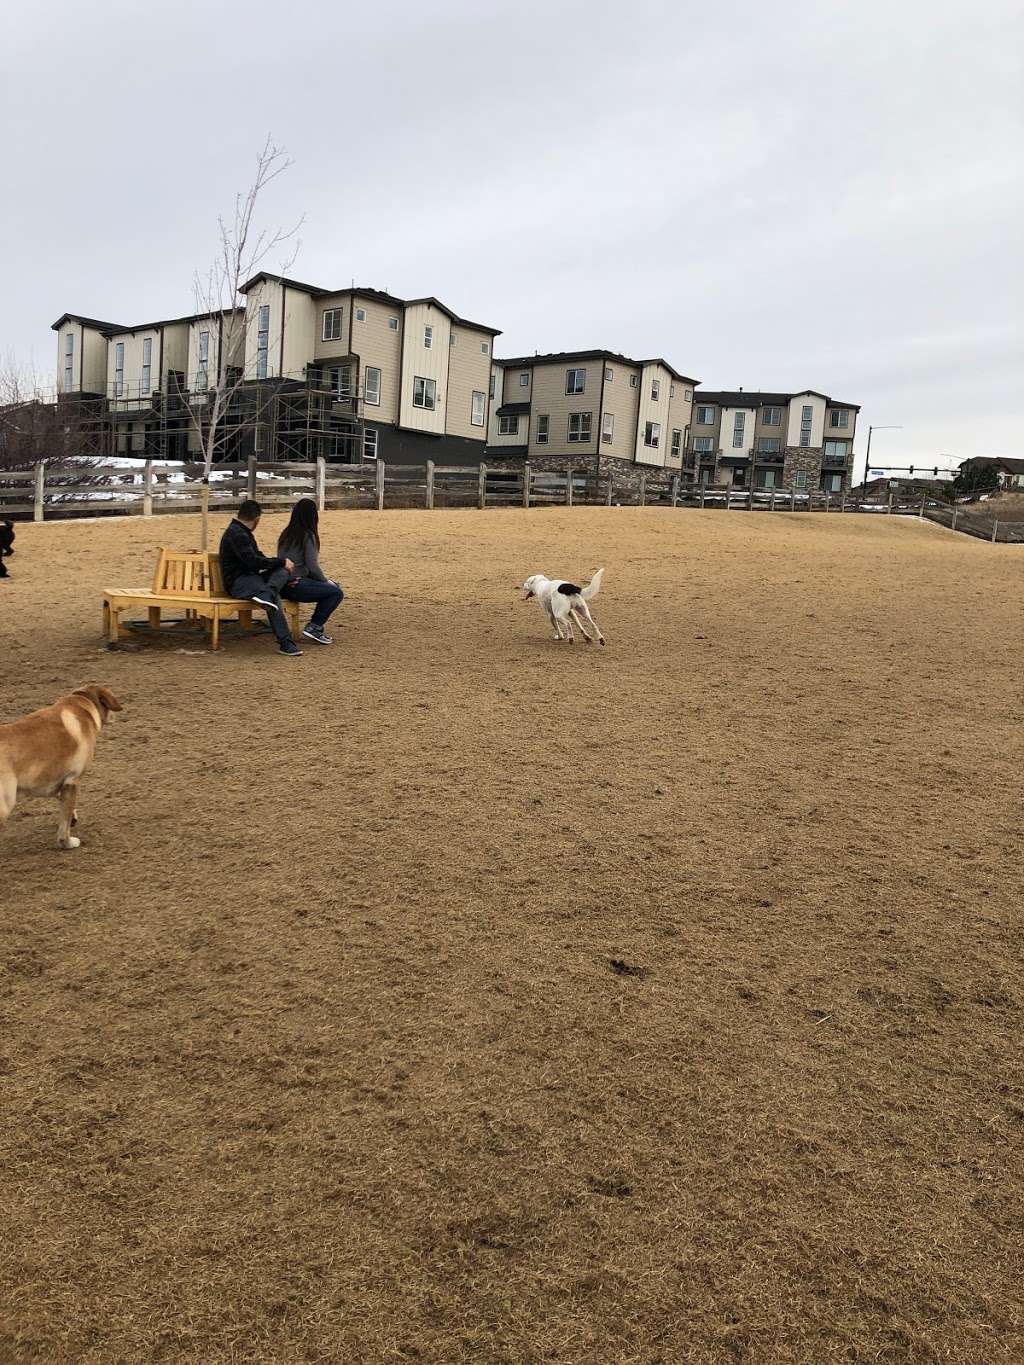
758 395
112 331
318 291
88 322
558 357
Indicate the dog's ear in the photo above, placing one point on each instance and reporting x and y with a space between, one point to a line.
101 697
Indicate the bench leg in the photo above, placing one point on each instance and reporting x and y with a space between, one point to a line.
106 620
215 629
113 624
245 618
154 618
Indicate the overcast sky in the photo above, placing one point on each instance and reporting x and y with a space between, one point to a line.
770 195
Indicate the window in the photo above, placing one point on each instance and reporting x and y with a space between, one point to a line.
476 411
542 429
360 315
371 385
771 417
119 367
704 445
671 391
508 426
767 478
262 340
524 380
832 483
705 417
424 393
579 424
835 450
652 434
609 374
147 364
575 381
608 427
655 390
688 395
428 337
840 417
769 445
634 380
677 441
493 381
339 377
331 330
370 436
483 348
453 340
69 360
393 324
806 414
800 478
739 422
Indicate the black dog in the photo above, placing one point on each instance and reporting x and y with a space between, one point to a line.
6 544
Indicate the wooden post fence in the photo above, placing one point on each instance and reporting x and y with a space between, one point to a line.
703 490
792 500
321 483
380 485
40 488
526 484
643 488
955 510
251 477
608 495
995 530
889 500
147 489
772 507
568 487
728 498
481 487
675 490
430 483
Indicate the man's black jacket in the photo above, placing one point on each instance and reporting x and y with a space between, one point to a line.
239 554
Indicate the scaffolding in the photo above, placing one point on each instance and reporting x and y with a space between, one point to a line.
298 418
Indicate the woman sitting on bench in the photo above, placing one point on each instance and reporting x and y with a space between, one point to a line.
300 542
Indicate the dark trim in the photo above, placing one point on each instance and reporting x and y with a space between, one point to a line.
160 362
81 365
94 323
448 376
401 369
220 349
600 410
280 364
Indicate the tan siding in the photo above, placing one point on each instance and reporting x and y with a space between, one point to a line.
796 405
132 377
469 372
376 344
679 411
339 346
621 400
714 430
653 411
521 437
175 348
840 433
420 362
265 292
96 373
515 392
550 397
300 322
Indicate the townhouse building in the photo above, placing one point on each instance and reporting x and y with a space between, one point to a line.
793 441
349 374
592 409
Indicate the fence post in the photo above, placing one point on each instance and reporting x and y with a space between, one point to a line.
526 483
827 500
728 498
430 483
889 500
380 485
251 476
675 490
792 499
772 507
321 483
481 487
37 501
842 502
750 507
995 530
643 488
921 513
147 489
703 490
955 510
608 495
568 487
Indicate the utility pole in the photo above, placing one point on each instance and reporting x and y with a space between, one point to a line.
867 457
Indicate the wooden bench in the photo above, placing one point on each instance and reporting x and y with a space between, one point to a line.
189 582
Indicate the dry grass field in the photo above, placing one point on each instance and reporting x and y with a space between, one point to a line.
455 996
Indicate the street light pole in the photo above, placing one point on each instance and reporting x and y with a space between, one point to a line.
867 457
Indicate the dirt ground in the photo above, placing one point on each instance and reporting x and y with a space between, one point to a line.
452 995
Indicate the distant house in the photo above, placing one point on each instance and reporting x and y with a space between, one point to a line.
1010 472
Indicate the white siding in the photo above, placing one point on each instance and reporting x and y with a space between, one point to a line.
419 361
728 424
796 407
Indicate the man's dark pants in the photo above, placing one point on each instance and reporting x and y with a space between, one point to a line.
327 597
269 587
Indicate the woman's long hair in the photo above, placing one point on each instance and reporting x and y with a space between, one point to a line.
304 522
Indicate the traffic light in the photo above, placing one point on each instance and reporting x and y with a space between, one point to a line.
911 469
935 471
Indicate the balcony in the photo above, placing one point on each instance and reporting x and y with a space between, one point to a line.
835 461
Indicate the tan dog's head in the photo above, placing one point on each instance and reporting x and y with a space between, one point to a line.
103 699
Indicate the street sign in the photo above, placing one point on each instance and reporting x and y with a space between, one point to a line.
876 473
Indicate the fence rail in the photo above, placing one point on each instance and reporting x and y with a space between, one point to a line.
158 487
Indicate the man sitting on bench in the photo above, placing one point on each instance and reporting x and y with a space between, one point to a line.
248 573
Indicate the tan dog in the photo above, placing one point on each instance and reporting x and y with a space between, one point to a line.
47 752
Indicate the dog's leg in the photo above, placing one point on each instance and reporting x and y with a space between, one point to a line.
68 803
579 621
554 621
567 622
8 796
597 629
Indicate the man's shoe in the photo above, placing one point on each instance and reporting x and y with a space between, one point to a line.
317 633
265 602
292 651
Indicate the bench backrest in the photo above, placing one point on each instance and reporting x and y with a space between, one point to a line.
187 573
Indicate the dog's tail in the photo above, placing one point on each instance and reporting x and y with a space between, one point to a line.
593 587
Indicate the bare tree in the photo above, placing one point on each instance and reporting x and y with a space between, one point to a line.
31 429
244 248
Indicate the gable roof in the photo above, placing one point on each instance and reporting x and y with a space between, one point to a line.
88 322
755 398
367 293
560 357
1009 463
